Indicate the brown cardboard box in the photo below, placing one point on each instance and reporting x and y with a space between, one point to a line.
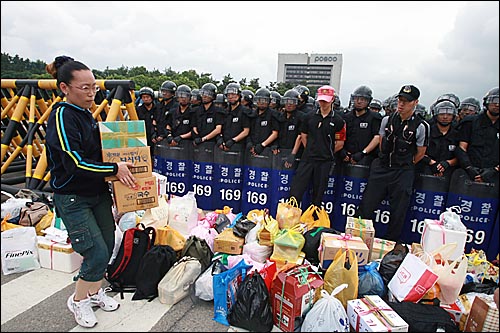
129 200
362 228
227 242
331 243
483 316
381 247
292 295
139 156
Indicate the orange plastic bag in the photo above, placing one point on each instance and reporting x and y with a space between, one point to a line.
315 216
288 213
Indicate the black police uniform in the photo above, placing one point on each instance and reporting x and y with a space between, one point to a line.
441 148
360 130
290 124
393 172
180 122
148 116
234 123
261 127
205 121
163 109
318 159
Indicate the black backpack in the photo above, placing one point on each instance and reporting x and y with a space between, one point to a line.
424 317
153 267
122 272
198 248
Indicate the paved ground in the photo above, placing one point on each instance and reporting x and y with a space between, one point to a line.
35 301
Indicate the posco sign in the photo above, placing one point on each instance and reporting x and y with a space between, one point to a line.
324 58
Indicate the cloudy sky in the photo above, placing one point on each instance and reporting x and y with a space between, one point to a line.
440 47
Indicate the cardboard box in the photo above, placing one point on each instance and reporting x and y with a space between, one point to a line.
227 242
381 247
435 235
280 262
361 228
372 314
57 256
292 295
129 200
139 156
331 243
123 134
483 316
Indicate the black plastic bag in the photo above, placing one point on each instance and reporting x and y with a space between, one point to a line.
242 227
486 287
221 222
391 261
252 309
311 244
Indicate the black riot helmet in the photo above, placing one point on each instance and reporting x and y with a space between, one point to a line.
363 91
376 105
233 88
276 99
147 91
220 101
303 93
263 94
209 89
183 91
290 97
490 97
248 96
195 96
450 97
444 107
168 86
420 110
470 103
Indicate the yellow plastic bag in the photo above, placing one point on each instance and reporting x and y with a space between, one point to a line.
169 236
287 245
44 223
7 225
344 269
288 213
268 231
315 216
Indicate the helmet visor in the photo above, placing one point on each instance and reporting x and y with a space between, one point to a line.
231 90
289 100
445 110
492 100
182 94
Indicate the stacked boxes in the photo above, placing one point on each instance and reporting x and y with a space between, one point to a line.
361 228
125 141
331 243
57 256
372 314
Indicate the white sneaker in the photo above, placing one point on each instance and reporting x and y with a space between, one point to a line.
104 301
84 315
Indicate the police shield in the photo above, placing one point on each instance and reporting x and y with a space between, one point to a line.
228 178
175 163
478 203
257 181
427 202
351 184
202 175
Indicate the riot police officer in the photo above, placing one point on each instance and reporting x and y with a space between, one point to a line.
247 97
168 103
264 125
439 159
404 138
195 98
469 106
304 94
236 126
478 144
180 120
209 117
146 111
362 127
275 103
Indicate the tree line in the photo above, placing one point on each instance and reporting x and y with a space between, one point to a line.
15 67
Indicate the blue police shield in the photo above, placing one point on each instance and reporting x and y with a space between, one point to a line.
202 175
281 178
257 182
427 202
493 247
228 178
351 185
176 165
478 203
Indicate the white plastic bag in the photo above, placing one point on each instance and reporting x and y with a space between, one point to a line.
327 314
183 213
118 242
127 221
19 250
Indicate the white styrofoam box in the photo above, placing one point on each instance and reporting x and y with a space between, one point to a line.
58 256
436 235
